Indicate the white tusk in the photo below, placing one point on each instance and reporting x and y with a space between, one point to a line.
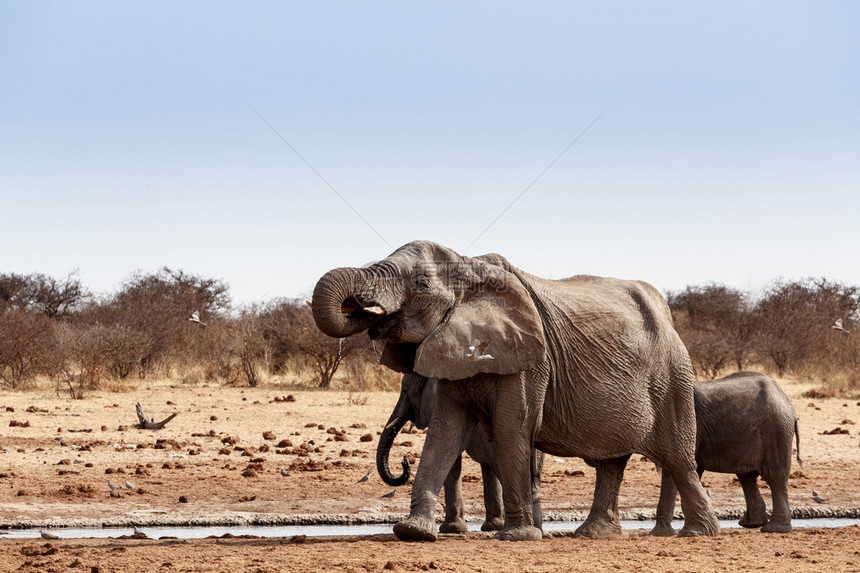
374 309
309 303
393 422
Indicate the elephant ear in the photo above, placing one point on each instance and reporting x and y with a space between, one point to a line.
497 309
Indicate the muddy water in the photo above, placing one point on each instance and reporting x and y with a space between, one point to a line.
288 531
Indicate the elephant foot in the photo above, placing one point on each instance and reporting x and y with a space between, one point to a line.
663 530
753 522
707 527
774 527
494 524
598 529
523 533
415 529
456 526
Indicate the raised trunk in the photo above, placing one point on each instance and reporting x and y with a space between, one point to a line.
386 440
335 310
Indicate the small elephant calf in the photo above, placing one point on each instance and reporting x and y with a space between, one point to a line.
745 425
416 403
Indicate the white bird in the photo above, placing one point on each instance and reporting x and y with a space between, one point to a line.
195 317
390 494
284 473
476 352
816 497
838 325
366 477
558 460
113 486
136 531
46 535
129 485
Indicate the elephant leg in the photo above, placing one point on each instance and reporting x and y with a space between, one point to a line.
756 511
537 508
495 517
699 516
514 425
780 520
443 446
665 507
603 520
455 508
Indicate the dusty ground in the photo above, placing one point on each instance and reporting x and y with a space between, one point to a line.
218 461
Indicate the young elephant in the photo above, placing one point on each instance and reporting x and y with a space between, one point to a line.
745 425
416 403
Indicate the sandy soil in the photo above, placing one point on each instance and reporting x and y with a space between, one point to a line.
218 462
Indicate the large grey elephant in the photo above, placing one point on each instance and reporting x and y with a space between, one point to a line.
415 404
586 366
746 425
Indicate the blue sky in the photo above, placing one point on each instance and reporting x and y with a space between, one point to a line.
727 150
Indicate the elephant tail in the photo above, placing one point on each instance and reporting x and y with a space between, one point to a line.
797 439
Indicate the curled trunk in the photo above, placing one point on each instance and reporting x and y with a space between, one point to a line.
335 309
386 440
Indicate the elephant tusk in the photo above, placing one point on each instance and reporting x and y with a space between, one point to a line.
393 422
309 303
374 309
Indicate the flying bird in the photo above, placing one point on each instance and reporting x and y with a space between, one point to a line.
390 494
366 477
195 317
838 326
46 535
113 486
284 473
476 352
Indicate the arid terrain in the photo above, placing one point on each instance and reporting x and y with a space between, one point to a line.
218 462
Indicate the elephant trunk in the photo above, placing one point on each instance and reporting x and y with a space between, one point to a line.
336 311
397 420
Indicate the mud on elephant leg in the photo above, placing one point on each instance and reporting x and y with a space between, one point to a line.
603 520
755 514
454 521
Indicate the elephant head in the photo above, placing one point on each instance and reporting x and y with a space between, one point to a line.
416 402
430 304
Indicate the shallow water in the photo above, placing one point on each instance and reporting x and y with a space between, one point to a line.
287 531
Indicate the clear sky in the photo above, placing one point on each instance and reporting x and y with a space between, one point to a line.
728 149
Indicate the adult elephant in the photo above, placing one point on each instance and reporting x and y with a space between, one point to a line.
415 404
585 366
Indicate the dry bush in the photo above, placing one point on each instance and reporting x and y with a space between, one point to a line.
714 323
81 358
25 341
793 322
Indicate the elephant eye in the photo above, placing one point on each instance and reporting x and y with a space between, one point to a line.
422 283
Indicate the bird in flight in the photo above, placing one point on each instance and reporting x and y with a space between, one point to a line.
195 318
476 351
838 326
